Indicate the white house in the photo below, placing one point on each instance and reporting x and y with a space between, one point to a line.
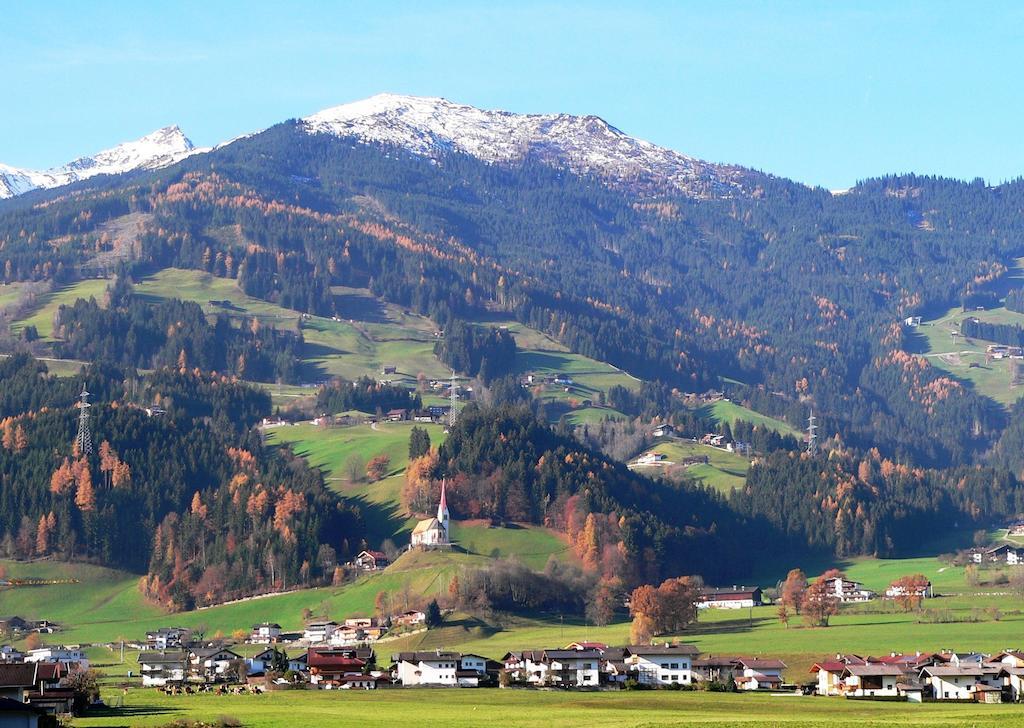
211 663
427 668
63 655
754 673
160 668
433 532
898 590
846 590
167 637
472 671
10 654
870 680
956 682
317 632
664 664
265 633
737 597
574 668
527 666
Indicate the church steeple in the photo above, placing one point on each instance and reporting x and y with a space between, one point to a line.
442 511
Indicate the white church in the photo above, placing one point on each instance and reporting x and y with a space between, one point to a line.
433 532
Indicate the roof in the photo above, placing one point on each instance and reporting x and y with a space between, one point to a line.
828 666
874 670
719 591
314 625
7 705
952 670
49 670
428 524
572 654
662 649
274 625
425 656
761 677
152 657
18 675
204 652
757 663
373 554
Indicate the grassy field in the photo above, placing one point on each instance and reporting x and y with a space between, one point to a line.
9 293
474 708
723 472
725 410
47 305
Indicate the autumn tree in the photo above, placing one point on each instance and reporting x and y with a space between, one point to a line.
783 614
792 592
378 467
62 478
820 601
85 497
416 493
43 536
910 591
20 439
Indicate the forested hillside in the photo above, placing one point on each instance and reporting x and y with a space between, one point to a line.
787 297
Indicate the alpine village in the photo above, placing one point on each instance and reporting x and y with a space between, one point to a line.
411 411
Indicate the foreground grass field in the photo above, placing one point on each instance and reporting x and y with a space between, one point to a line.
473 708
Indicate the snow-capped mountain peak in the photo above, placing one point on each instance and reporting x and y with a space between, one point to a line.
588 145
161 148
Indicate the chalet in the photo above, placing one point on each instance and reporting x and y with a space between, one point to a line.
167 637
320 631
736 597
1015 528
427 668
714 669
212 664
160 668
66 655
912 321
957 682
652 458
1012 555
1013 679
265 633
261 662
364 682
17 714
846 590
298 663
526 666
564 380
331 665
663 431
16 680
754 673
13 623
829 676
422 416
396 415
372 560
896 590
472 672
48 694
412 618
664 664
573 668
870 680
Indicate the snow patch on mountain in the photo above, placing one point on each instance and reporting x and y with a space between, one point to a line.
586 145
159 149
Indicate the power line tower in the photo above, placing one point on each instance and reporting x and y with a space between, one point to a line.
83 441
454 400
812 433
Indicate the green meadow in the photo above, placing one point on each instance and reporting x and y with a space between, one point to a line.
727 411
724 471
528 708
48 303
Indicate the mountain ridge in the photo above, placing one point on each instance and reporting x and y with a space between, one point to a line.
161 148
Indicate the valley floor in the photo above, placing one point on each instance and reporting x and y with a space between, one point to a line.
456 708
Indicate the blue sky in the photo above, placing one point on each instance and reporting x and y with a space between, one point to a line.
823 92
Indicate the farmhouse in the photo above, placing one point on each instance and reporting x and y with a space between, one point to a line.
755 673
160 668
664 664
320 631
846 590
372 560
1012 555
573 668
870 680
957 682
428 668
167 637
396 415
897 590
331 665
65 655
265 633
736 597
211 664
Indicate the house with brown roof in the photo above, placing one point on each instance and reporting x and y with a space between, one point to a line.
371 560
756 673
872 680
16 679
